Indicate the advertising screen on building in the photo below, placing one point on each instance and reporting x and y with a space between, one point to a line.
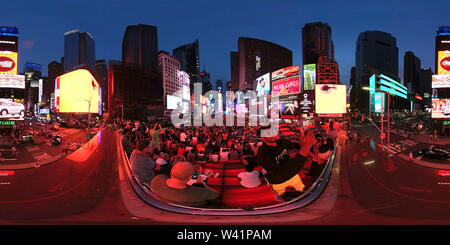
8 62
77 92
289 109
440 81
12 81
440 108
309 76
12 109
173 102
285 72
286 86
443 62
263 85
330 98
306 102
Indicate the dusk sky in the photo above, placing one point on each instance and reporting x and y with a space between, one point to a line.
219 23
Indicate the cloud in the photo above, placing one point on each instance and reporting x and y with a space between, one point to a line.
27 44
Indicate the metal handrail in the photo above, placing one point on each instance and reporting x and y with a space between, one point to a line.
302 201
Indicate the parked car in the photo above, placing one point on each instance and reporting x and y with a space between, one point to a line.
434 152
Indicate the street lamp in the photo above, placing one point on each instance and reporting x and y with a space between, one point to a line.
382 113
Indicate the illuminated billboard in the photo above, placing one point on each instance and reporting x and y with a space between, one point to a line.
286 86
77 92
306 101
8 62
440 108
440 81
443 62
12 81
285 72
11 109
309 76
173 102
263 85
330 98
289 109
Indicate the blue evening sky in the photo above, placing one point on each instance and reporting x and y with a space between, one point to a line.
219 23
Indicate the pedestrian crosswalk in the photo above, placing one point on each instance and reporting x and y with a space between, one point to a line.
401 146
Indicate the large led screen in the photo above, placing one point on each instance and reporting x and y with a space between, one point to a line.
77 92
330 98
286 86
441 108
289 109
444 62
440 81
309 76
263 85
285 72
173 102
12 81
8 62
12 109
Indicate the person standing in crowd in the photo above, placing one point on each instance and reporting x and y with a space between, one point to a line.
174 189
142 164
281 167
155 132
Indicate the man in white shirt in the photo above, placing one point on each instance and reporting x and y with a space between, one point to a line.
250 178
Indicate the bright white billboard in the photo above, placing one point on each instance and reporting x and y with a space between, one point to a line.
263 85
12 81
331 98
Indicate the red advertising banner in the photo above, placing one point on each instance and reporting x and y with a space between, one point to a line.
285 72
286 86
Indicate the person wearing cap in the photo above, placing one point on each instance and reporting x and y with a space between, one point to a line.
174 189
281 167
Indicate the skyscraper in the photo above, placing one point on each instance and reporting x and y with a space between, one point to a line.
411 73
188 56
169 68
140 46
234 58
376 51
79 51
55 69
316 42
258 57
101 74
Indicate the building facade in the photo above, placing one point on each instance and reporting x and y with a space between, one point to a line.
101 74
256 58
140 46
411 73
79 51
189 58
316 42
134 92
376 52
169 68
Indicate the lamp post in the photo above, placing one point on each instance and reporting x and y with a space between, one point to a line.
382 112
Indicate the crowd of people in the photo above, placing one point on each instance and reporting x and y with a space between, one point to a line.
168 160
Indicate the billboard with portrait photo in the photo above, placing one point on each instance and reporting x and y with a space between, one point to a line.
263 85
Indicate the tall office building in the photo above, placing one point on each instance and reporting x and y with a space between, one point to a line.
79 51
54 70
188 56
169 68
258 57
442 54
376 51
316 42
33 85
101 74
411 73
205 80
234 64
140 46
424 88
135 91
